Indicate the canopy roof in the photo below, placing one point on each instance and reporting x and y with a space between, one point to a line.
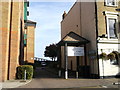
73 39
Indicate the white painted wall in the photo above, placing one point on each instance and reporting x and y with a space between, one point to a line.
109 70
106 67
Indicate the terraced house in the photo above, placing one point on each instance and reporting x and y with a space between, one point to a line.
94 27
14 26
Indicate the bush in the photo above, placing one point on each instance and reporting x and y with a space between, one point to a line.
103 56
111 56
21 70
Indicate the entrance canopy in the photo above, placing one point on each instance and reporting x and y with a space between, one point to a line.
73 39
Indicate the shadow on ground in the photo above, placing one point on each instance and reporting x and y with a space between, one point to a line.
45 72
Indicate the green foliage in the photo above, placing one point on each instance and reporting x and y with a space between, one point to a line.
114 55
103 56
111 56
28 63
51 51
21 70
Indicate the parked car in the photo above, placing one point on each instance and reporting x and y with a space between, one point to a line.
43 64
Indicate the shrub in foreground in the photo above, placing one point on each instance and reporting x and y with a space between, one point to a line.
21 71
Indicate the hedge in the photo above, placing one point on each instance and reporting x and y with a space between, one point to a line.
21 70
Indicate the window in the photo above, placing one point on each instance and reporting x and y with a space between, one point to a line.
112 26
111 2
25 40
114 62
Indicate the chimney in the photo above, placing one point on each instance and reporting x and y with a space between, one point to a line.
64 14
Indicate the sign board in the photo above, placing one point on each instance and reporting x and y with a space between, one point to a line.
75 51
92 54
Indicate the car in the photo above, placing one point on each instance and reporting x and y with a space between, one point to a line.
43 64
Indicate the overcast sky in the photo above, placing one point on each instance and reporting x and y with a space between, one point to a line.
48 16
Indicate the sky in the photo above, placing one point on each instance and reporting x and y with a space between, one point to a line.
48 16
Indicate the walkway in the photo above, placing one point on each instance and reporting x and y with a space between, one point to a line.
44 78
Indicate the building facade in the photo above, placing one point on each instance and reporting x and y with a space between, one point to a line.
29 29
98 23
29 41
109 42
12 32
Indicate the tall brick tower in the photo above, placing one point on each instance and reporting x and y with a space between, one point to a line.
12 29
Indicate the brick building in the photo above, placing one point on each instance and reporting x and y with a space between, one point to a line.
29 41
28 36
98 23
13 24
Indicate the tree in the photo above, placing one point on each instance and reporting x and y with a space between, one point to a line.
51 51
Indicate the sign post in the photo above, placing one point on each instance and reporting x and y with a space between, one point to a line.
66 61
72 51
76 51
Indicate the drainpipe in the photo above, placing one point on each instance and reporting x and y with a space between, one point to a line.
80 18
97 34
10 29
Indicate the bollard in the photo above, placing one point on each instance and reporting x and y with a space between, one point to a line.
77 75
66 75
25 76
59 73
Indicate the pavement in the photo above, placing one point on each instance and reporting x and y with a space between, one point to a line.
44 78
70 83
14 83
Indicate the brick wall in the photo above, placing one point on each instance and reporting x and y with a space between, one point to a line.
30 44
11 27
5 28
81 20
101 17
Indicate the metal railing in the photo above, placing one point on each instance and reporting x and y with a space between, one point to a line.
40 59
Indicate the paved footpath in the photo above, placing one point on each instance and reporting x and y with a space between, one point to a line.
46 79
70 83
13 83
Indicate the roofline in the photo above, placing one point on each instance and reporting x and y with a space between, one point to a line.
30 23
75 34
69 11
70 41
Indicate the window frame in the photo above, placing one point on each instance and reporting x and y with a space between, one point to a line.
116 3
107 23
25 40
